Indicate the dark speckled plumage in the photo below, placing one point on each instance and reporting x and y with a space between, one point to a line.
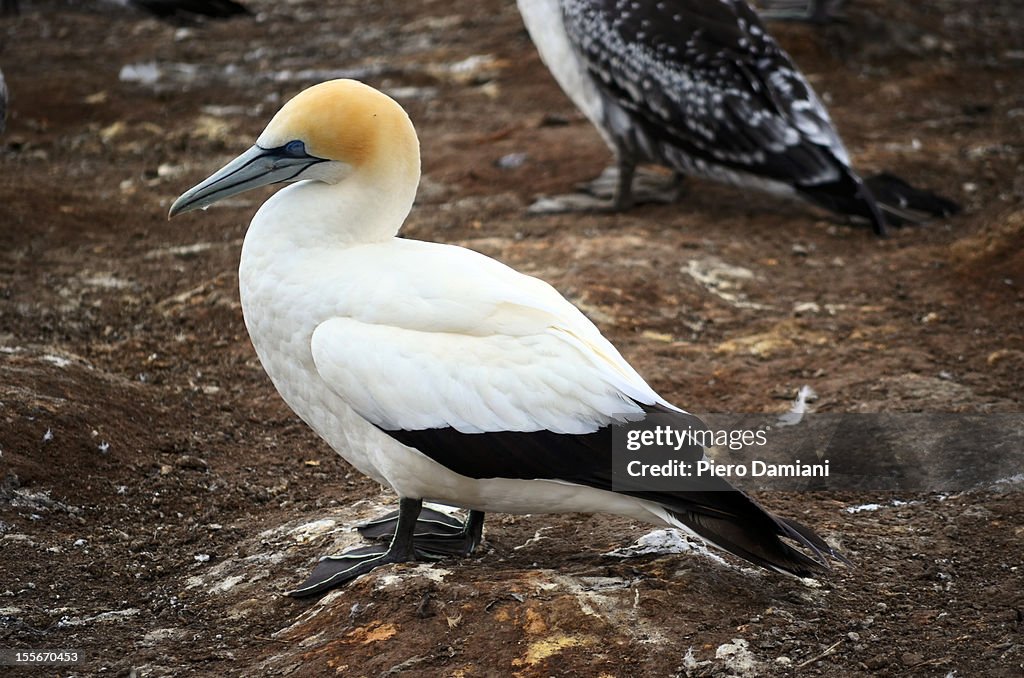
701 87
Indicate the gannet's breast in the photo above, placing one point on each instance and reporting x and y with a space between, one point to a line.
700 86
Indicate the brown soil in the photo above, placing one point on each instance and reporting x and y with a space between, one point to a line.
158 497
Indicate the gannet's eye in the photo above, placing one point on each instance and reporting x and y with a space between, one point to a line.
296 149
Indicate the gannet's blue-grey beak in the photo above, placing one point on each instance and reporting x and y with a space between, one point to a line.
256 167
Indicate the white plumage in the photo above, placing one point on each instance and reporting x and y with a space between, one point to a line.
433 369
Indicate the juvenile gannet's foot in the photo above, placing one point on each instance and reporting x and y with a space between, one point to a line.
334 571
646 186
571 202
436 533
606 194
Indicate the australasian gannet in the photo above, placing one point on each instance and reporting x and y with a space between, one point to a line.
431 368
699 86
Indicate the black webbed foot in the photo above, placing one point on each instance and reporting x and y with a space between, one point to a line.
436 533
334 571
430 523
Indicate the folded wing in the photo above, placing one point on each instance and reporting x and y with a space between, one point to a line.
706 79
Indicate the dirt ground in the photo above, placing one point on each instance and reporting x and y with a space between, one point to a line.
158 498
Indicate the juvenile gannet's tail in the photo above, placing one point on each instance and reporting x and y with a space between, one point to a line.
883 199
903 203
847 195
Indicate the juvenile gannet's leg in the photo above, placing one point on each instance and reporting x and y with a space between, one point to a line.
333 571
625 186
436 533
622 199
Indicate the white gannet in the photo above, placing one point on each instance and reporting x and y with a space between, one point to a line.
433 369
701 87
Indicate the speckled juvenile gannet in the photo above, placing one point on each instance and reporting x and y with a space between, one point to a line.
701 87
433 369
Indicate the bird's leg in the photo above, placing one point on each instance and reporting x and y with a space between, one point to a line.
623 198
436 533
678 186
334 571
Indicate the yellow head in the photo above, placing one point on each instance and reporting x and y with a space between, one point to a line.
347 121
329 132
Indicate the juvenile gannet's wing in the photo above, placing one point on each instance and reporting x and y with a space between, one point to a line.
710 92
710 82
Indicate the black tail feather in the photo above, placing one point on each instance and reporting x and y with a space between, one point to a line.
883 199
903 203
736 523
848 195
816 542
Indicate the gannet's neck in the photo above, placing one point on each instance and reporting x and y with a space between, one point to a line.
363 208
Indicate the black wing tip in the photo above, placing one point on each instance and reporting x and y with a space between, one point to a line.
884 199
848 195
904 203
822 552
739 525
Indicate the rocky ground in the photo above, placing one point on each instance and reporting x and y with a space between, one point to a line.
158 498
